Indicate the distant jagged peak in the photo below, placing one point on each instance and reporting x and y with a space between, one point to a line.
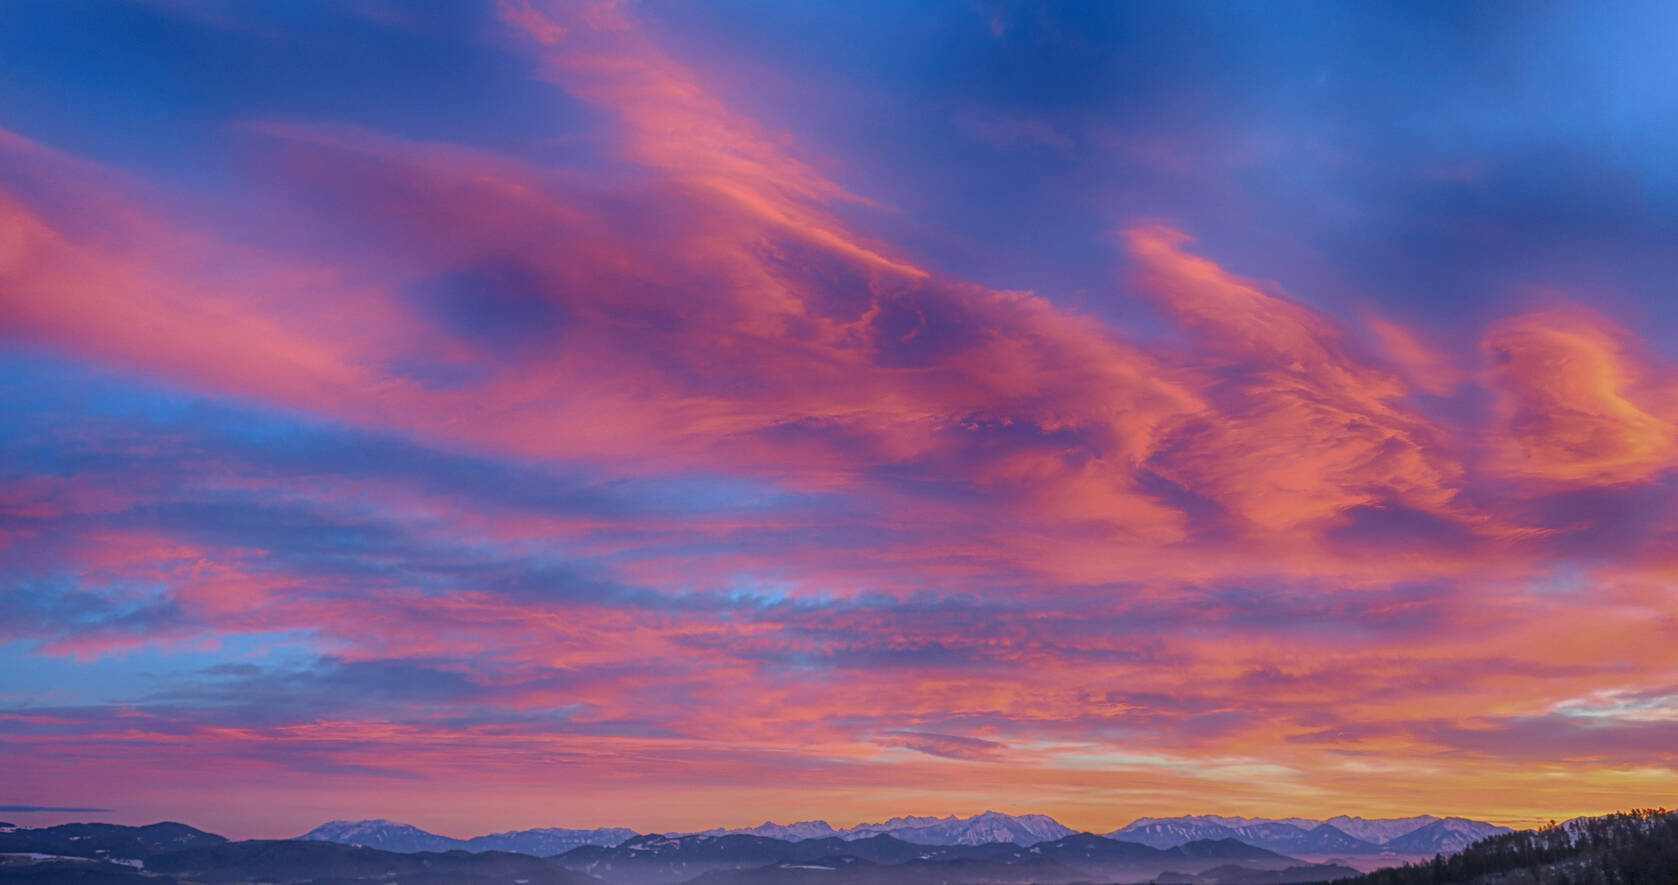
1345 834
385 835
985 827
549 831
903 822
1227 821
367 823
797 830
1381 830
1417 834
388 835
333 829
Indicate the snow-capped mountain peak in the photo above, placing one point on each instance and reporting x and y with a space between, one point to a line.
1380 831
1344 834
986 828
794 832
386 835
980 829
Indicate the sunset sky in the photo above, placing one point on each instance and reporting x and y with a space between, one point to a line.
682 414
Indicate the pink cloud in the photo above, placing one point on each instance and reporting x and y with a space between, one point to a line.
1574 405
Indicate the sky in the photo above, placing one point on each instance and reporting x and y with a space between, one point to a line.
675 415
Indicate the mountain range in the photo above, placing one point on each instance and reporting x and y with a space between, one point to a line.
174 854
1342 836
388 835
980 829
1636 848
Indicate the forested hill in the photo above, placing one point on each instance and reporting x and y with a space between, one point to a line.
1639 847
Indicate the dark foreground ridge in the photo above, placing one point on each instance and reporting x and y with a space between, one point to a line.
1639 848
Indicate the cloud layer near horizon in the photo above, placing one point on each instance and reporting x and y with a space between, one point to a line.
628 459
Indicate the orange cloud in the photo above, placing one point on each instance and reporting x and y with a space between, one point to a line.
1302 431
1574 406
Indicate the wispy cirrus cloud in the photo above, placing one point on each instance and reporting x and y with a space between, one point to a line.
944 745
20 809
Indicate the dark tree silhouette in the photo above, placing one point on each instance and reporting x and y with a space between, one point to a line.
1638 847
